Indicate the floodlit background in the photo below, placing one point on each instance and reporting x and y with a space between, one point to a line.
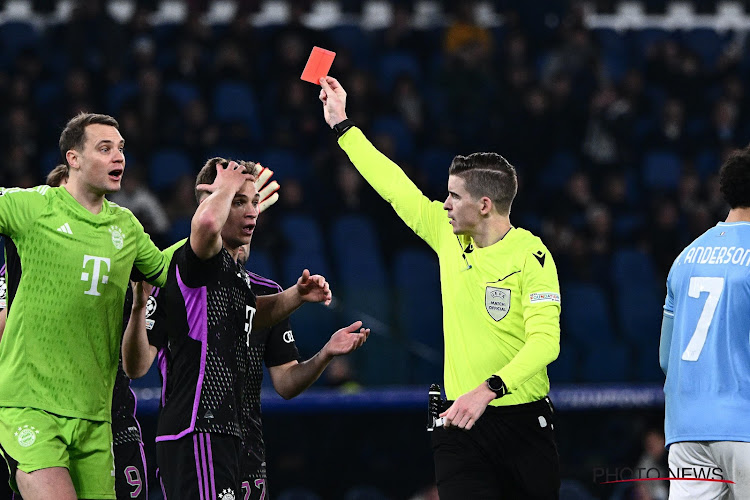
617 115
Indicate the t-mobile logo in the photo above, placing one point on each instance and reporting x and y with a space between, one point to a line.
97 270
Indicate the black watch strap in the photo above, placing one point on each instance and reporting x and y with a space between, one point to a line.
497 386
343 126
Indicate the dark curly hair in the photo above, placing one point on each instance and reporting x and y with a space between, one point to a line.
734 178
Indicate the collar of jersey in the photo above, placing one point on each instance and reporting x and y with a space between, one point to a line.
499 244
733 223
79 209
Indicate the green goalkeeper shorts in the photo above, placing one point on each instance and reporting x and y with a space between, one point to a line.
32 439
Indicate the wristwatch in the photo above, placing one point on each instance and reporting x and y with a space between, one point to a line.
497 386
343 126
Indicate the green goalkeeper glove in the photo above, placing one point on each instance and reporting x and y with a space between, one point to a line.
268 194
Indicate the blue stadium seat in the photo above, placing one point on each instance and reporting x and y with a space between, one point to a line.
356 249
313 324
395 127
235 102
614 52
166 166
47 92
179 229
662 170
416 278
559 168
707 43
302 234
707 163
565 367
359 267
644 39
118 93
356 41
260 262
285 164
585 314
647 360
16 36
393 65
635 268
434 163
607 362
639 312
182 92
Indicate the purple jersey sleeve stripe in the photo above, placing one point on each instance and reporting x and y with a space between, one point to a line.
2 270
211 466
197 318
198 469
162 361
145 466
260 280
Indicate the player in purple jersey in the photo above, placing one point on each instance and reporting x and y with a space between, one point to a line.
201 323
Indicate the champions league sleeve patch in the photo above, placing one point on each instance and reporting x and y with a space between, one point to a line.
544 297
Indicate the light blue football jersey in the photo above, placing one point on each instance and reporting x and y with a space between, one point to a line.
708 377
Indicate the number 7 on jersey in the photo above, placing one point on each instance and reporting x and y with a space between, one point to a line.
698 285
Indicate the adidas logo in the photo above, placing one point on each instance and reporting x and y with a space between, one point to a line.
208 415
65 228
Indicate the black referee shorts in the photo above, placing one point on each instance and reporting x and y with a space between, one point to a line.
509 453
199 466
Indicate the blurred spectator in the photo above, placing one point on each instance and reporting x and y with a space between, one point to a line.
159 116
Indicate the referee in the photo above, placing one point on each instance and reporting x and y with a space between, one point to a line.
501 319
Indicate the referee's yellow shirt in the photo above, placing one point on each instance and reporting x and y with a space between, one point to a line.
501 303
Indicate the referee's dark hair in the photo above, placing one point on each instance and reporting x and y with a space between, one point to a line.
734 178
207 174
490 175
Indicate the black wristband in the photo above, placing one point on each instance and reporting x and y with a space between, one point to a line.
496 385
341 127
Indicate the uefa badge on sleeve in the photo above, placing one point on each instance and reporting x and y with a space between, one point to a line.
497 302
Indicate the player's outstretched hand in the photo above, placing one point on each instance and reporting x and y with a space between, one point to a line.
347 340
333 97
267 192
314 288
467 409
141 291
232 176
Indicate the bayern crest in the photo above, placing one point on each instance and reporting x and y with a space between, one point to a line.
118 237
497 302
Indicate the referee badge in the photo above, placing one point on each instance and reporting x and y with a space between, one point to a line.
497 302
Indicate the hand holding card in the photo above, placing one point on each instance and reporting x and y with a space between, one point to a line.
318 64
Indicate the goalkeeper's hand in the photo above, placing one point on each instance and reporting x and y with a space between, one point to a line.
268 194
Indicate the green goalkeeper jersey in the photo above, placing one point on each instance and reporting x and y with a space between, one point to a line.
60 348
501 303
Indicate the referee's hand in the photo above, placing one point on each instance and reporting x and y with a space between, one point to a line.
467 409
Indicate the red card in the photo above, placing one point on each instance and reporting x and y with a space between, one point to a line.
318 64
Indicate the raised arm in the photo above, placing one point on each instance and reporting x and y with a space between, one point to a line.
424 217
212 213
293 378
277 307
137 353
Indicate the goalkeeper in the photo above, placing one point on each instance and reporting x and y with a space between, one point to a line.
501 318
